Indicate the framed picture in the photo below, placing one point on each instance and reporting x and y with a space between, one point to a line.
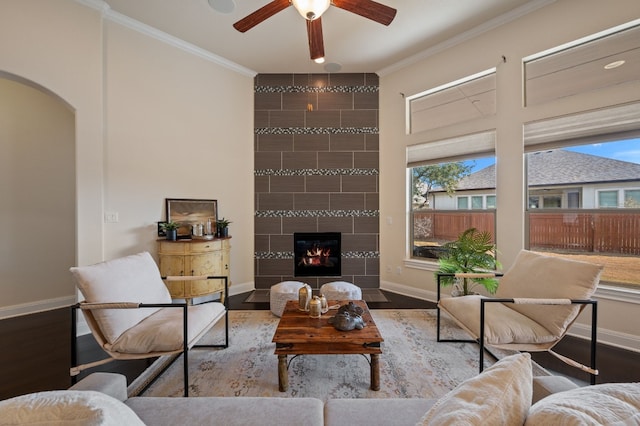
188 212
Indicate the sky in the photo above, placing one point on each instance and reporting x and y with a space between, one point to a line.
627 150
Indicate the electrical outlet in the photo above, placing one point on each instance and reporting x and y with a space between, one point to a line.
389 268
399 270
111 217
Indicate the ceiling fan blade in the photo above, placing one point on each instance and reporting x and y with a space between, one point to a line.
316 43
265 12
369 9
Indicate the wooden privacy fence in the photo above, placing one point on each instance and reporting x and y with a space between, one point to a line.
447 226
595 232
592 231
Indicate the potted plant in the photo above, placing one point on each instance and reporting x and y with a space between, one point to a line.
222 225
171 230
472 252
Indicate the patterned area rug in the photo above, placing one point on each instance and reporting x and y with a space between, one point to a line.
412 365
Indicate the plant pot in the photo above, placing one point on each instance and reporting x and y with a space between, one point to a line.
223 232
172 234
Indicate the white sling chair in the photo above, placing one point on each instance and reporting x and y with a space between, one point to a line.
130 313
537 300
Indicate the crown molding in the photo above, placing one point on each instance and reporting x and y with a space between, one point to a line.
119 18
467 35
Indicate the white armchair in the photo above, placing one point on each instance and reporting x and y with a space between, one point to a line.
537 300
131 315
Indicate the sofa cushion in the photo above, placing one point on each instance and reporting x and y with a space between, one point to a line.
501 395
228 411
375 412
134 278
549 277
70 407
606 404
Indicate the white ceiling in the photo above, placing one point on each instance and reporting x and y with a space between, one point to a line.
357 44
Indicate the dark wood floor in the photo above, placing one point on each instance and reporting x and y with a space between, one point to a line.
35 353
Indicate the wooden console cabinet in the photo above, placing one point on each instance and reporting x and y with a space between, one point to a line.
195 257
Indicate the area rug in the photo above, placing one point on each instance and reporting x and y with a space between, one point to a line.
412 365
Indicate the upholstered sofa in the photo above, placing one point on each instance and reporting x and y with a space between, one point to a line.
502 395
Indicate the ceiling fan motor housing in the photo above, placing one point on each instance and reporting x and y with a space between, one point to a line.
311 9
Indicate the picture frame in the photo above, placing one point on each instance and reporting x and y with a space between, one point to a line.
188 211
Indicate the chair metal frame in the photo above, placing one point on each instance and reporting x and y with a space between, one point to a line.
76 369
592 370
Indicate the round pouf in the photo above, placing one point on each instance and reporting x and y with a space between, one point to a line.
341 290
282 292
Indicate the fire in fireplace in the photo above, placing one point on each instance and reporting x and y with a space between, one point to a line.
317 254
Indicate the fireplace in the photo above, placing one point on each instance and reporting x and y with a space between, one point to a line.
316 254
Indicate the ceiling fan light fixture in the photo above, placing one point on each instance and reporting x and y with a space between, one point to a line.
311 9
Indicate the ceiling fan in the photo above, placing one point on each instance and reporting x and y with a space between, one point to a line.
311 10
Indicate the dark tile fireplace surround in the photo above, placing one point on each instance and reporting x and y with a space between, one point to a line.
316 171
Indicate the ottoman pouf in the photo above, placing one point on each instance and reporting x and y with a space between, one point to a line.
282 292
341 290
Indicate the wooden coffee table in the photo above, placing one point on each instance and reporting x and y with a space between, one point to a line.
299 334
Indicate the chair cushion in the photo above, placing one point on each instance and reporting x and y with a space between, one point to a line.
162 331
548 277
606 404
503 326
134 278
67 407
501 395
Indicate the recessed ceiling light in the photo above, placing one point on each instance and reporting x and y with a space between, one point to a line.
614 64
319 60
332 67
222 6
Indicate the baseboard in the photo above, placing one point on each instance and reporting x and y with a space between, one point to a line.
236 289
606 337
404 290
625 341
35 307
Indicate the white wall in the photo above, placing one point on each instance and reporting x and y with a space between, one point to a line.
151 122
557 23
37 193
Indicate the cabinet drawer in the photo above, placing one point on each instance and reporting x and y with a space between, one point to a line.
205 246
170 247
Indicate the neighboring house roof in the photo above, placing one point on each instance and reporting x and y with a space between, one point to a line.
560 167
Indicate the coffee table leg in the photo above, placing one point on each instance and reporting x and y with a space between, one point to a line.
375 372
283 377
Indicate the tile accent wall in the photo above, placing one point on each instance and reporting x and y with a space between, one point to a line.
316 170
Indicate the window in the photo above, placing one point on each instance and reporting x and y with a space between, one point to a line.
632 198
449 195
476 202
461 100
584 190
463 203
602 60
491 201
607 199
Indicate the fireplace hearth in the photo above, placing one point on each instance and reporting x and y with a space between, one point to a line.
317 254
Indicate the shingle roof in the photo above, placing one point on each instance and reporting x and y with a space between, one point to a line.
560 167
